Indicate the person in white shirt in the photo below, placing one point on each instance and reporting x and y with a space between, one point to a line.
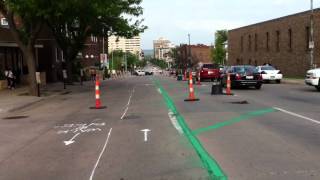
11 79
6 74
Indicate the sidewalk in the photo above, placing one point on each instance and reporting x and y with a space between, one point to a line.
293 81
12 100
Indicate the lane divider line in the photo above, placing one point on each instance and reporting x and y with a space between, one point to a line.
214 170
128 104
100 155
232 121
297 115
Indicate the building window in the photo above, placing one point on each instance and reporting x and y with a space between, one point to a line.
267 41
307 38
249 43
255 42
278 41
241 43
290 39
250 61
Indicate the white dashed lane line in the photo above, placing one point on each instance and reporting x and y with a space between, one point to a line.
297 115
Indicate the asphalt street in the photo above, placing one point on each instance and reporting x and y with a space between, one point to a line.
149 132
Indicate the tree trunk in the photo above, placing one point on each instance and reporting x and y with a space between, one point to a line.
30 58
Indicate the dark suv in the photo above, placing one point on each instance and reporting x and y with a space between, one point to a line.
243 76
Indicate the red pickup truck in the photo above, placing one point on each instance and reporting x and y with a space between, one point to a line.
209 71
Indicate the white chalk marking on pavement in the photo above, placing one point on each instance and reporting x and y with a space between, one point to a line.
100 155
145 131
128 104
297 115
71 141
124 113
174 121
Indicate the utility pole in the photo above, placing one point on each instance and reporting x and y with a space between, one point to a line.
311 42
189 54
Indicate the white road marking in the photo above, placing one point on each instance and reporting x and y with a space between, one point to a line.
71 141
128 104
124 113
101 153
297 115
174 121
146 134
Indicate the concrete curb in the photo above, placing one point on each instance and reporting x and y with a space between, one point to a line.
23 106
293 81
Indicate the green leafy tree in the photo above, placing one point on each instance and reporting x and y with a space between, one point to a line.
25 19
218 52
160 63
73 21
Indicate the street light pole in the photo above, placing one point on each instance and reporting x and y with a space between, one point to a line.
189 54
311 43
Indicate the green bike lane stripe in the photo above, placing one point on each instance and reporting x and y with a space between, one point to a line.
235 120
213 168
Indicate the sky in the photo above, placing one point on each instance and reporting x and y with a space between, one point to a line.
175 19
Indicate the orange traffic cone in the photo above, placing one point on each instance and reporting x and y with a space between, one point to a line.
228 90
97 95
191 90
199 79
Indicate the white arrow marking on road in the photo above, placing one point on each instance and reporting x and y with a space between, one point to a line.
146 134
71 141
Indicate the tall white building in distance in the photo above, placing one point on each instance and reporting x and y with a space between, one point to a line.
132 45
162 48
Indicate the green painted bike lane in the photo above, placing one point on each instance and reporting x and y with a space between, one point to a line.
212 166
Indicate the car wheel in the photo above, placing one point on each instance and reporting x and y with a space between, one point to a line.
318 87
258 86
278 81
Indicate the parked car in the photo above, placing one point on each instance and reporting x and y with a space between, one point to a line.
243 76
269 73
209 71
313 78
140 73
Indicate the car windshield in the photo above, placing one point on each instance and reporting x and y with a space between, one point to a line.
210 66
245 69
266 68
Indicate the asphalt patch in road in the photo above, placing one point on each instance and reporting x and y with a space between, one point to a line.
240 102
131 117
15 117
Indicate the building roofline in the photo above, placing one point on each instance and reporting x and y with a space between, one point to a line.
276 19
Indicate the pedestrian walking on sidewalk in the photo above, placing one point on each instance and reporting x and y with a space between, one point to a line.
93 74
6 74
12 79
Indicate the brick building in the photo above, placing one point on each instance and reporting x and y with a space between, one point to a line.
49 57
282 42
90 55
199 54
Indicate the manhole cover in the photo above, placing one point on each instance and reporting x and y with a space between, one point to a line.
240 102
16 117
